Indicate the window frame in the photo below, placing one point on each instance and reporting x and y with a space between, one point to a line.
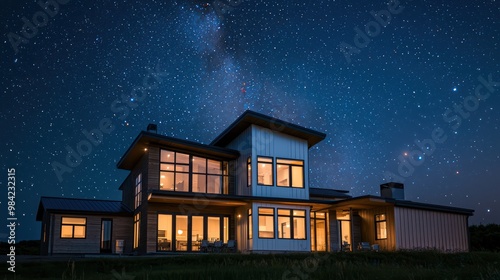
290 172
267 215
138 191
272 170
378 223
137 231
73 228
250 224
292 218
222 173
249 171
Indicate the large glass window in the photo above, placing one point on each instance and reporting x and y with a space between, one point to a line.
213 230
289 229
72 227
318 231
290 173
174 174
266 222
164 232
138 190
206 175
106 231
380 226
265 171
137 229
197 232
181 232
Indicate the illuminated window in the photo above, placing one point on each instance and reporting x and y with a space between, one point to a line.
291 224
183 173
381 226
266 222
249 171
265 171
138 190
137 229
250 224
290 173
72 227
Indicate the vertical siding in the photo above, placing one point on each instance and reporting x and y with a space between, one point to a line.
243 243
276 244
242 143
152 226
153 169
266 142
368 233
426 229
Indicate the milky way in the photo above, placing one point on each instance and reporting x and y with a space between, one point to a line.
378 78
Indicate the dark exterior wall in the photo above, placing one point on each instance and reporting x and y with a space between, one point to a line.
368 228
122 230
333 231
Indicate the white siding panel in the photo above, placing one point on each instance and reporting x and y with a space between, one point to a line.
426 229
276 244
274 144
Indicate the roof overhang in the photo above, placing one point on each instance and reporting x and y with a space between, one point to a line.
370 201
250 117
230 200
147 139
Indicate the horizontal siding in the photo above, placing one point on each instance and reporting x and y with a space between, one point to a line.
424 229
122 230
266 142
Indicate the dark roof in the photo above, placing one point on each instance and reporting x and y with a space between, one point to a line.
250 117
328 193
77 205
378 200
146 139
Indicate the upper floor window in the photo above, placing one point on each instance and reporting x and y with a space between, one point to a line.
72 227
182 172
138 190
380 226
249 171
265 174
290 173
174 174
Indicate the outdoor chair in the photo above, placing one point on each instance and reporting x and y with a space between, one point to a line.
204 247
218 246
364 246
231 246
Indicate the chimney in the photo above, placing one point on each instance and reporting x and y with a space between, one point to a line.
152 128
392 190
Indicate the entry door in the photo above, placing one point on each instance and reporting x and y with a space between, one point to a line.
106 230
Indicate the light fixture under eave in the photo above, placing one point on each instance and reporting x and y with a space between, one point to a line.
145 149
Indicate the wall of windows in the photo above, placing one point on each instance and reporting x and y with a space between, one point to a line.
187 173
72 227
380 226
185 232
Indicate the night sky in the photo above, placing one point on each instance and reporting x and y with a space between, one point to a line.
377 86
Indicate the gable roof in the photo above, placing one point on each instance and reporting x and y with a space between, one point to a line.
78 205
250 117
146 139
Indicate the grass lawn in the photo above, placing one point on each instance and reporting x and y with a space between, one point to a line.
362 265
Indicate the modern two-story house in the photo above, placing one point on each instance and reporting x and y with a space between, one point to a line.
249 187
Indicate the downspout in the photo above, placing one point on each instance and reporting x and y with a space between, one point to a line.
351 228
